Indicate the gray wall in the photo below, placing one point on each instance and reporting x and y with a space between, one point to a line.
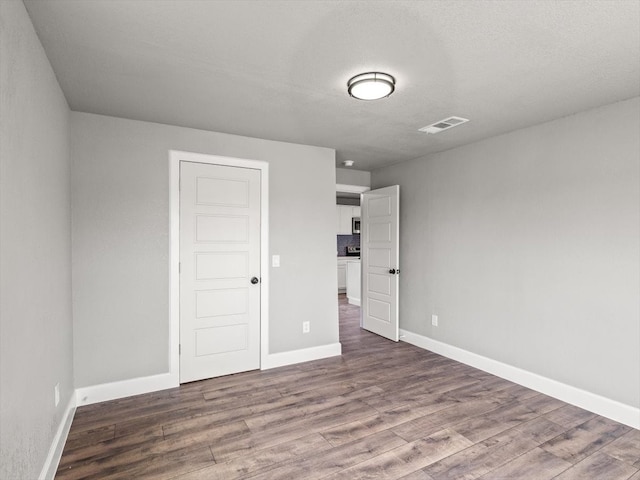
347 176
527 246
120 199
347 201
35 249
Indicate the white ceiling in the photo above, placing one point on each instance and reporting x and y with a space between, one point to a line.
278 69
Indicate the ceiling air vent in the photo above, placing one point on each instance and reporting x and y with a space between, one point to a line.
443 125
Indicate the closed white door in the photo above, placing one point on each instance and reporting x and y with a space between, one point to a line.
380 261
219 270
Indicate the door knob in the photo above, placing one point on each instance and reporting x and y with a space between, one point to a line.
255 280
392 271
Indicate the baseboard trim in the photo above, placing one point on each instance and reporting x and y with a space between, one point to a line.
125 388
138 386
606 407
52 461
303 355
353 301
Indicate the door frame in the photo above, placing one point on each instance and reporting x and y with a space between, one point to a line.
175 157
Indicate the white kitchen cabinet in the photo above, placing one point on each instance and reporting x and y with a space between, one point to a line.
342 274
344 215
353 282
339 219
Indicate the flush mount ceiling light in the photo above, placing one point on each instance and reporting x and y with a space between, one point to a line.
348 163
371 86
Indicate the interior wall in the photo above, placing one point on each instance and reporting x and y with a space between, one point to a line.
35 249
348 201
348 176
527 246
120 198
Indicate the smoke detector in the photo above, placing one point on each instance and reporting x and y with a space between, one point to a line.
445 124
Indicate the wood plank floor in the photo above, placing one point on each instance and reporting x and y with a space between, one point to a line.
381 411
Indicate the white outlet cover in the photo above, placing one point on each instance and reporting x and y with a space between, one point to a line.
275 260
305 327
434 320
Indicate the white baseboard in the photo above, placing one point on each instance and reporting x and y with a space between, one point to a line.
581 398
52 461
138 386
353 301
125 388
303 355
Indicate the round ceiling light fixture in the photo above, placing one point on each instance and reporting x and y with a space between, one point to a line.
371 86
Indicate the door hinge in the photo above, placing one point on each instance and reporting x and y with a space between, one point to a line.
179 267
179 349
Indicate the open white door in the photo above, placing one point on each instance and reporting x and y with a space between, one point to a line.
380 261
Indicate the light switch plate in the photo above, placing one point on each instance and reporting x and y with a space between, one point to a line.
275 260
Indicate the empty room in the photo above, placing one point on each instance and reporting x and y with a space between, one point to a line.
323 239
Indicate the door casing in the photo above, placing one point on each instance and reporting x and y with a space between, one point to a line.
175 157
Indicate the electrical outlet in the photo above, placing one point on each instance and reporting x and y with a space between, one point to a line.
56 394
275 260
434 320
306 327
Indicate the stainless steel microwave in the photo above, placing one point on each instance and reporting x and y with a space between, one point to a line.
355 225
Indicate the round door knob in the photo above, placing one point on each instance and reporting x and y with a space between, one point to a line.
392 271
255 280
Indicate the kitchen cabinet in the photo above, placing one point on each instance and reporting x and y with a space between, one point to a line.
353 281
342 275
339 219
344 214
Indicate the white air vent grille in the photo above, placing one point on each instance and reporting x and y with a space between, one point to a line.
443 124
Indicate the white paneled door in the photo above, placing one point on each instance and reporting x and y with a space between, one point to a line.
380 261
219 270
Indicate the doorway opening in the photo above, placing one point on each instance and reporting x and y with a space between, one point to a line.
349 322
348 214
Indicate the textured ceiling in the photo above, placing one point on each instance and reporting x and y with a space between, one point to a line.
278 69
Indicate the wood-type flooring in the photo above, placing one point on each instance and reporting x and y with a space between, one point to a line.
383 410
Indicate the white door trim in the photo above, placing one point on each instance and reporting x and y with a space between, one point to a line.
343 188
175 157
